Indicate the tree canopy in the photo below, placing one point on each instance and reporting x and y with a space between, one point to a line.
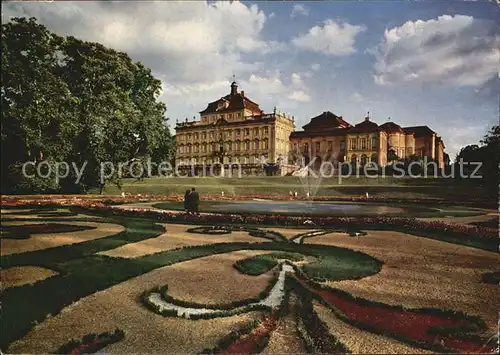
487 154
68 100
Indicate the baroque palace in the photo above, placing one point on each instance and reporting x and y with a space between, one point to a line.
234 132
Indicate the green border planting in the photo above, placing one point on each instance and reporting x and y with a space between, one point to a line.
91 343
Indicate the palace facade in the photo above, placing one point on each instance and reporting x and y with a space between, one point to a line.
330 137
233 132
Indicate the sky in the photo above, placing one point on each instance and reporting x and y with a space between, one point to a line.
417 63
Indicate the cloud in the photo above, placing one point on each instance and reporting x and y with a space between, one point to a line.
315 66
300 96
296 79
331 38
459 137
356 97
299 10
184 43
455 50
278 88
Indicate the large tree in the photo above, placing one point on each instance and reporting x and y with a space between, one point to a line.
65 99
487 154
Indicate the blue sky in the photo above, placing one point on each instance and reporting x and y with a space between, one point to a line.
420 63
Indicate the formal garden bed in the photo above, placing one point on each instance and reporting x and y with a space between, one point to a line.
479 237
26 230
82 272
455 330
135 198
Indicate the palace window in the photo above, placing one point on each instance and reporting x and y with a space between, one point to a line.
247 131
352 143
230 117
189 136
247 145
318 147
266 144
238 132
256 131
363 143
374 142
330 145
266 130
196 136
239 114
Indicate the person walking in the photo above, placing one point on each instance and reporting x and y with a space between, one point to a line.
186 201
193 201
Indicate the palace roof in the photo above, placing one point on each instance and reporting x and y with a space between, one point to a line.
391 127
419 131
365 126
326 121
232 102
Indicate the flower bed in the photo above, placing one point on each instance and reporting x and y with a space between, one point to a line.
313 330
418 327
129 198
226 308
253 232
479 237
492 278
260 264
91 343
26 230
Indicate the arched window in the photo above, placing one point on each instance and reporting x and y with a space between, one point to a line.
364 159
354 159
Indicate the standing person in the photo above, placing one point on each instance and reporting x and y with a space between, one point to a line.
194 200
186 201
